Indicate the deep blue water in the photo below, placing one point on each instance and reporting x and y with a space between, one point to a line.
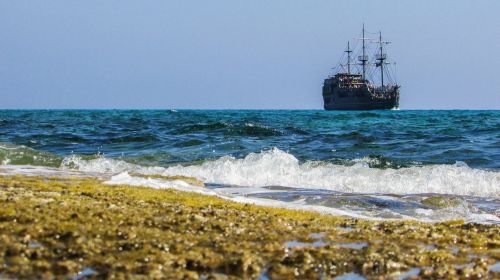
164 137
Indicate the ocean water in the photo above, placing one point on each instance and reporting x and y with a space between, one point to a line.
365 164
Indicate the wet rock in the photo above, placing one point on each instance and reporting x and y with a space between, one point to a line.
442 201
65 267
128 232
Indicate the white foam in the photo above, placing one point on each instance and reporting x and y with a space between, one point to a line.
249 175
239 194
98 165
30 170
278 168
462 211
125 179
297 205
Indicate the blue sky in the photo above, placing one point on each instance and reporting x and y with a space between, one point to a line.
239 54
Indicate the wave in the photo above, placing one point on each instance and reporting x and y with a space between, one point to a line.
278 168
22 155
356 136
253 129
276 178
139 138
275 167
367 115
189 143
424 207
203 127
236 129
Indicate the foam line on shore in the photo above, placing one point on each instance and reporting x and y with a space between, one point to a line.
450 213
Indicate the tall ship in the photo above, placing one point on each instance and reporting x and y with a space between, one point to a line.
367 84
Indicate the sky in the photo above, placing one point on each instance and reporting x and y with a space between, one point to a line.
238 54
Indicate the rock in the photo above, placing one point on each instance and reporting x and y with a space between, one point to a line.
442 201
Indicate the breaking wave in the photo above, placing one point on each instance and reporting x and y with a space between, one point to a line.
361 188
278 168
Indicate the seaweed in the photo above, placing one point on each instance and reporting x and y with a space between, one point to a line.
82 228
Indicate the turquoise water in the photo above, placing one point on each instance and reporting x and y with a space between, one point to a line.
393 138
346 161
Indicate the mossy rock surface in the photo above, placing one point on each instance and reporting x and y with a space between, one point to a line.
442 201
55 228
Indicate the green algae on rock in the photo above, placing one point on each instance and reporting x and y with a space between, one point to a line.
442 201
60 227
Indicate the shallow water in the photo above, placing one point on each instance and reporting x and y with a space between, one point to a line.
377 164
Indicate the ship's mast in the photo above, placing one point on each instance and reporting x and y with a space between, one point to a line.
348 51
364 55
363 58
381 58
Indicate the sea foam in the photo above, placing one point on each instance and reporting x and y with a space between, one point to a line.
373 193
278 168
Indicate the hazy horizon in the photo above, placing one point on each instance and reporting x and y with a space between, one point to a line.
237 54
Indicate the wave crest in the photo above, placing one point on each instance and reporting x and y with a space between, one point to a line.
233 129
278 168
22 155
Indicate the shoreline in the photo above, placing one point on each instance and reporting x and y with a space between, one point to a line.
80 227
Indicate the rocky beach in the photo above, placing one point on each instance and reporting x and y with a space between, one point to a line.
80 228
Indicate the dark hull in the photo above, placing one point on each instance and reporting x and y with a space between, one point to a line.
361 98
362 103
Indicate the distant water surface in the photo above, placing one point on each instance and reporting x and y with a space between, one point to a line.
370 164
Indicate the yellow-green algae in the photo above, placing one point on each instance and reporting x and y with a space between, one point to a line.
55 228
442 201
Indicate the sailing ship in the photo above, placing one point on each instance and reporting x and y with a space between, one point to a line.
348 90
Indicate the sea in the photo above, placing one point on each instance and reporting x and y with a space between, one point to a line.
378 165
